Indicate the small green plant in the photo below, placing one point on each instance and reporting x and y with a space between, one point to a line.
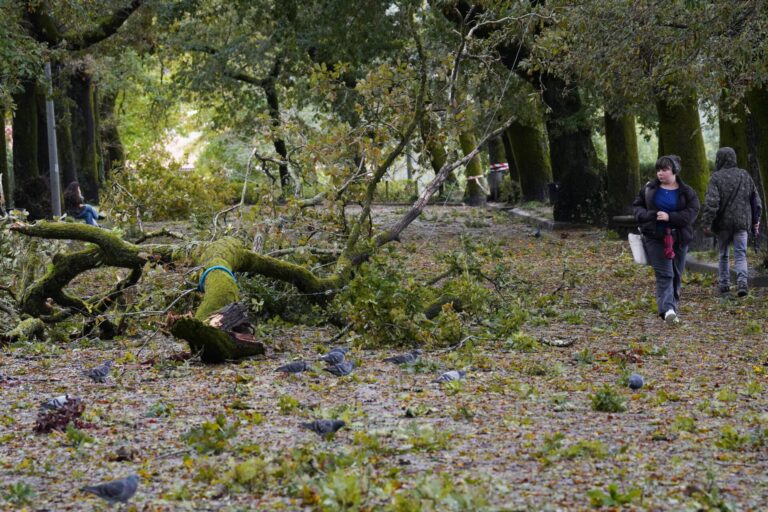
212 436
160 409
612 497
286 404
523 342
685 424
730 439
753 327
19 493
607 399
248 475
343 489
76 437
753 389
424 438
585 357
586 448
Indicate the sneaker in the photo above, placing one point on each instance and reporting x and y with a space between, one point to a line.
724 289
670 317
743 291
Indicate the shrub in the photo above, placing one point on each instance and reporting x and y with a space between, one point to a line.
607 399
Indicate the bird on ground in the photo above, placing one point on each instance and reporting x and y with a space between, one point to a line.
635 381
335 356
324 428
341 369
536 233
451 375
115 491
407 358
55 403
294 367
101 372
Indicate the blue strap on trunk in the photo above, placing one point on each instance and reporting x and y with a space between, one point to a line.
215 267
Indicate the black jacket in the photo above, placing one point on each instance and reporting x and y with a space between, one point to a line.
688 206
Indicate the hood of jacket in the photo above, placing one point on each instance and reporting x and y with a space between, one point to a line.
725 159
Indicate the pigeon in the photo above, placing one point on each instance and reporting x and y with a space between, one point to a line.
635 381
407 358
55 403
116 490
451 375
341 369
335 356
294 367
536 233
325 428
100 373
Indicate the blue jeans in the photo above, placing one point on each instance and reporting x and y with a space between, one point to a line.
89 214
669 273
739 241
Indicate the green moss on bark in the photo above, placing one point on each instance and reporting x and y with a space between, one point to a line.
680 134
623 167
529 144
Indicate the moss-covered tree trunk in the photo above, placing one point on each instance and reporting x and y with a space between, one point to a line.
474 194
514 172
529 146
112 145
497 158
574 159
757 140
5 188
733 133
434 146
84 138
680 134
623 167
31 190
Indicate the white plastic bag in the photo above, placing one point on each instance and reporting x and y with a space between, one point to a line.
638 249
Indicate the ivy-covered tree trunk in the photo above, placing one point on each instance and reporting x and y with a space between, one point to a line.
531 154
680 134
574 159
623 168
273 104
474 193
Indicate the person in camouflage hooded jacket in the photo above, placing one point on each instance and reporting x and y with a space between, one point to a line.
732 207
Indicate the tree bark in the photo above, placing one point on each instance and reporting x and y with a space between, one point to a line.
529 147
434 146
680 134
623 168
474 193
30 189
733 134
496 156
757 135
114 157
84 135
5 179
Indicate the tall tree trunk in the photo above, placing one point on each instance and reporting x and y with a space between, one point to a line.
623 169
757 135
680 134
497 158
273 104
5 188
84 135
733 133
434 147
574 159
114 157
474 193
531 154
514 173
30 189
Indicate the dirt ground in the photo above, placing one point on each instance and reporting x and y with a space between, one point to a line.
518 433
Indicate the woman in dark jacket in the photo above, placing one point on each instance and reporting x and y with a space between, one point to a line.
666 209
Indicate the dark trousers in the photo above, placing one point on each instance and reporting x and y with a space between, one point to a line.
669 273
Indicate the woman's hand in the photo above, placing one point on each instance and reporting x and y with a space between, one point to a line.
662 216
